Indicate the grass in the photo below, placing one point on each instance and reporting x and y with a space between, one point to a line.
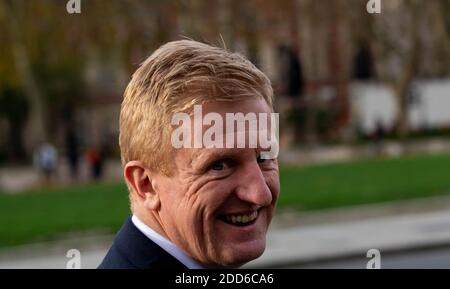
365 181
43 215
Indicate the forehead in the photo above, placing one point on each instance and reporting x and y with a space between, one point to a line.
202 154
199 156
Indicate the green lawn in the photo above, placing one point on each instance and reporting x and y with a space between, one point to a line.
42 215
366 181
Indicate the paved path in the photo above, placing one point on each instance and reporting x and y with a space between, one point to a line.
52 255
431 258
308 244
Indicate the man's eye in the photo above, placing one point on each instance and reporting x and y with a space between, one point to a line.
218 166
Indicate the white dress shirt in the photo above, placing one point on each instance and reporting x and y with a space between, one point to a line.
168 246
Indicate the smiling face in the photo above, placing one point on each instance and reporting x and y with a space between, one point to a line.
218 203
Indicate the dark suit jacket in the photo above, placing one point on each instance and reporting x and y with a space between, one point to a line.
131 249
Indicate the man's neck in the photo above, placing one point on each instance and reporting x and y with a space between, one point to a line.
152 221
165 244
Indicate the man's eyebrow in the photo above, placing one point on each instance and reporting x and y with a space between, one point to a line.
214 154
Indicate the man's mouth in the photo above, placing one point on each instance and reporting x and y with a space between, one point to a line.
240 219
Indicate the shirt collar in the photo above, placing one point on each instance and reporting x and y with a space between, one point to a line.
167 245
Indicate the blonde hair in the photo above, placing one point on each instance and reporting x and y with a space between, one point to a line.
174 78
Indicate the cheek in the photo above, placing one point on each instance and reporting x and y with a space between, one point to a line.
213 195
209 200
200 209
171 196
273 182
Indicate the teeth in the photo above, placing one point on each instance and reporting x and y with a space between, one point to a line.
242 218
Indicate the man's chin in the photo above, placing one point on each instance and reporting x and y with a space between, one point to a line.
238 254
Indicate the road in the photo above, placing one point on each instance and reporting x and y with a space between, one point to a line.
433 258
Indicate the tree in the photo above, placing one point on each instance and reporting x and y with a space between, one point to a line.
14 107
11 16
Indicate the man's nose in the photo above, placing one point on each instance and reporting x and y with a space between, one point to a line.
253 187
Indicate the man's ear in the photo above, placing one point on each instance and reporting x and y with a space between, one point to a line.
139 179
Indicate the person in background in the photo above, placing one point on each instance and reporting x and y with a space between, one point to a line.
45 159
72 152
95 160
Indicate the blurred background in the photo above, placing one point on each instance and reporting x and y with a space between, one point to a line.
364 102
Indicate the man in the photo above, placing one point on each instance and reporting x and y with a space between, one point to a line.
193 206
